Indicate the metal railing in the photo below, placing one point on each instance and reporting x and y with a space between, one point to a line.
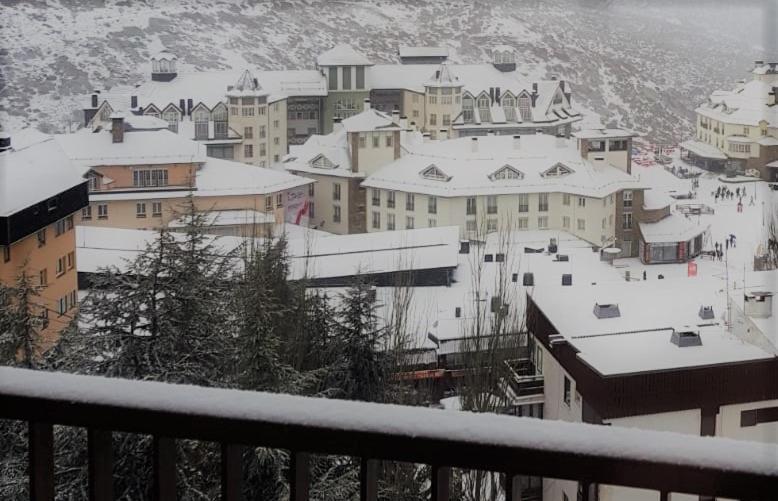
513 446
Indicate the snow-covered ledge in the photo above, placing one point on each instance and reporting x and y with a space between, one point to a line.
593 454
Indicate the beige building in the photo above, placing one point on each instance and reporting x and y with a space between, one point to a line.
143 178
494 183
739 127
40 192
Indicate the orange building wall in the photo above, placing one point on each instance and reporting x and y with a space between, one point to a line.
27 255
178 174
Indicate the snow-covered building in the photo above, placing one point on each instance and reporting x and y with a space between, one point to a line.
140 175
654 355
492 183
739 126
40 193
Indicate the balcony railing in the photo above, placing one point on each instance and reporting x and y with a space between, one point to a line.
589 454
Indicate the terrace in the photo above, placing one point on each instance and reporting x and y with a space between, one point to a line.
592 455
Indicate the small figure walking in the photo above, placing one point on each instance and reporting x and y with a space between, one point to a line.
644 274
751 203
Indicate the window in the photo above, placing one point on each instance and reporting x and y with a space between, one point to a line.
567 390
446 119
71 260
6 253
581 225
362 140
506 172
268 203
360 70
62 305
51 203
276 140
610 220
432 99
60 266
603 223
248 132
410 201
346 77
332 81
431 223
581 202
491 204
390 222
543 202
280 200
336 213
41 237
523 223
275 157
471 206
626 249
409 223
491 225
753 417
432 205
524 202
566 222
627 197
43 277
140 210
434 173
171 117
389 140
376 220
390 197
262 110
150 177
262 149
248 151
542 222
156 209
102 211
604 202
262 132
86 213
376 140
470 226
433 119
415 113
94 182
59 227
566 199
375 197
626 221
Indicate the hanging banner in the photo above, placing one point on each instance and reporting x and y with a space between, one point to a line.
297 206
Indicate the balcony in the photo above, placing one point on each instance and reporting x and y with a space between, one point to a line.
522 378
512 446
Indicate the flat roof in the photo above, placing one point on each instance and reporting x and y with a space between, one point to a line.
418 51
603 133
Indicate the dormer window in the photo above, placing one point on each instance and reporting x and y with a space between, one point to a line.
557 170
506 172
558 98
434 173
322 162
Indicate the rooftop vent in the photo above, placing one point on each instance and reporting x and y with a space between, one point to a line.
552 247
474 144
562 257
516 142
758 304
464 247
606 310
567 279
706 312
685 337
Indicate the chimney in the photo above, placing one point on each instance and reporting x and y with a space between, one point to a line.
562 85
426 137
497 94
189 106
474 145
534 95
133 102
516 142
337 124
117 128
491 95
396 116
553 78
367 104
182 105
5 141
94 100
404 122
443 134
490 132
758 304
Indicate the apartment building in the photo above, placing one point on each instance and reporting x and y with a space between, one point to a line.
738 127
141 175
498 183
654 355
40 194
341 160
254 116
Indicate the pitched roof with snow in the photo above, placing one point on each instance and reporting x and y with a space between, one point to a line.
745 104
369 120
671 229
35 169
340 55
247 85
408 51
471 173
444 76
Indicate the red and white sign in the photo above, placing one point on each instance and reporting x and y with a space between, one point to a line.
297 206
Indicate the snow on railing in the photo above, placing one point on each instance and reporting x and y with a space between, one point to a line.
667 462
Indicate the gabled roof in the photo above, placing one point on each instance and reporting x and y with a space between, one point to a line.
322 162
506 172
444 77
558 170
342 54
407 51
246 86
369 120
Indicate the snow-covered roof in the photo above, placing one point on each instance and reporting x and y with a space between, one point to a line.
603 133
142 122
639 339
470 173
407 51
229 218
703 149
341 55
673 228
88 149
369 120
246 85
745 104
164 55
654 199
444 76
220 177
35 169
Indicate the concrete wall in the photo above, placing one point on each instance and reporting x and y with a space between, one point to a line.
413 107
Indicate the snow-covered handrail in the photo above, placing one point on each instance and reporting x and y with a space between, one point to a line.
667 462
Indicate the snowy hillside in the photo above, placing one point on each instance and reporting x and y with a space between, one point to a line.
635 64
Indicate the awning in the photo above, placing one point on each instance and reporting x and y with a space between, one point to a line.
703 150
673 228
